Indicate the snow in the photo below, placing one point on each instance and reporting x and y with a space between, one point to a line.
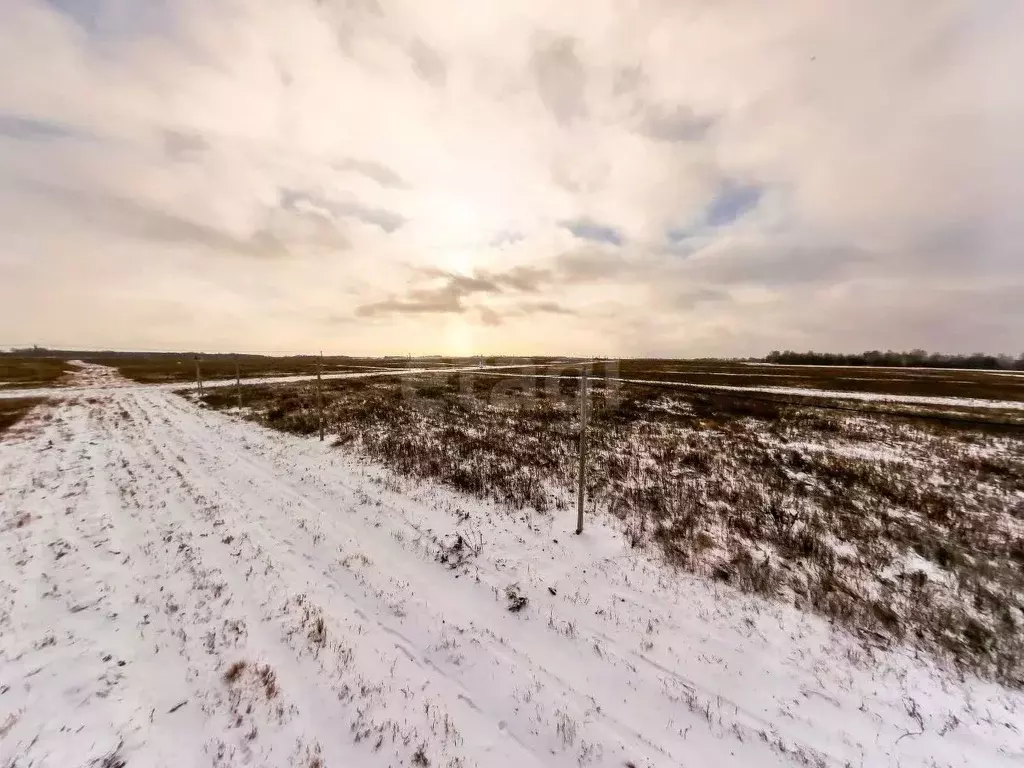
91 379
89 386
963 402
149 545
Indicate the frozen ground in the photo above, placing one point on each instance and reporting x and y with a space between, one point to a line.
181 588
91 377
828 394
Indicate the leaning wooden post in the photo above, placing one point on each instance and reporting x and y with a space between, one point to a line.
320 397
199 378
581 498
238 384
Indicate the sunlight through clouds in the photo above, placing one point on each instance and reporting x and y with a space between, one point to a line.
618 179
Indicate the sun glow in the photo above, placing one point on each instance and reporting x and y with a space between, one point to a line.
461 221
459 337
458 261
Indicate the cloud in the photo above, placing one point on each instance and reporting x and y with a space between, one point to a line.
675 123
524 310
303 200
658 178
488 316
779 265
527 279
589 265
444 298
506 238
379 172
560 78
449 291
428 63
135 219
19 127
550 307
518 278
689 298
585 229
181 145
422 302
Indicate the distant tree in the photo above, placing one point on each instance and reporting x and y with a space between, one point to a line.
889 358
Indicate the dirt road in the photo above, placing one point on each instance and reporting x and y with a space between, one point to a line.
179 587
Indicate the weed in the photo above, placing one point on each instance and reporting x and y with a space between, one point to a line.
458 549
268 678
419 757
234 672
515 600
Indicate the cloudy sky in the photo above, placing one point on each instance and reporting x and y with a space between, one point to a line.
652 177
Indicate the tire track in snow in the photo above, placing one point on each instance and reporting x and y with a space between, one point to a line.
194 523
341 599
73 665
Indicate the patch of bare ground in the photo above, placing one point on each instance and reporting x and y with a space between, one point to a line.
904 531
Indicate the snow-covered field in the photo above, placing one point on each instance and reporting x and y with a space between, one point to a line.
826 394
91 377
102 376
179 587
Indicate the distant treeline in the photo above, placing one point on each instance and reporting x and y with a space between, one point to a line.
916 358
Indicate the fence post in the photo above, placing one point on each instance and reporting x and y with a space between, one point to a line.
238 384
581 498
319 396
199 378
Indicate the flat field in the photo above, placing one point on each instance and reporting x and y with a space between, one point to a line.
28 371
914 382
17 371
159 368
904 522
758 583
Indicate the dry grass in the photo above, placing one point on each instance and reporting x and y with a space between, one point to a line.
897 381
36 369
18 371
14 410
157 367
234 672
902 531
419 757
173 367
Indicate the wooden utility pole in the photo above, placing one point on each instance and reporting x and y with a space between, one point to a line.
581 498
238 384
319 396
199 378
